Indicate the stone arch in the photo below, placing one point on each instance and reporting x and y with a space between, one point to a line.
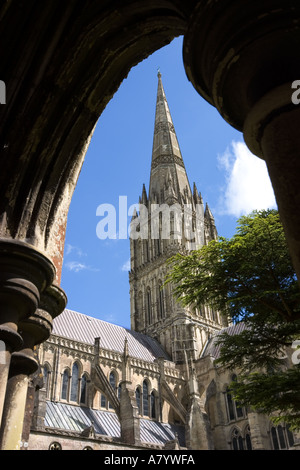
51 144
236 438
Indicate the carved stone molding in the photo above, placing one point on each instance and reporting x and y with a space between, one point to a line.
24 274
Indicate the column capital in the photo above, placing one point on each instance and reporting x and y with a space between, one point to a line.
38 325
272 104
234 56
24 274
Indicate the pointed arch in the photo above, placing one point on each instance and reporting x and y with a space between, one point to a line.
120 41
236 439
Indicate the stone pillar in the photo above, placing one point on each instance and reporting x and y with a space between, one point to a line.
52 303
257 428
24 274
198 430
34 330
129 416
12 341
23 364
129 413
243 62
198 433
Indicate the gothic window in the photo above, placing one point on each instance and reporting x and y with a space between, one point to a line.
83 389
146 251
138 399
103 401
230 406
113 383
139 253
55 446
74 382
148 307
145 399
248 438
112 380
161 308
119 391
235 411
213 315
282 437
152 405
237 440
290 436
65 385
46 376
139 306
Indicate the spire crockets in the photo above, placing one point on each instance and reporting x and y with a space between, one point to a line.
166 155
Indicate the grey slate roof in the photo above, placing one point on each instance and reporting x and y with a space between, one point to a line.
212 349
84 328
77 418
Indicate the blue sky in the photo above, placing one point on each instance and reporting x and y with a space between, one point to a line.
231 180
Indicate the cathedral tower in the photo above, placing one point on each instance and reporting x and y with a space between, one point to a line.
171 219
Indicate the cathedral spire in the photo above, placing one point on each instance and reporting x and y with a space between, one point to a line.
171 220
166 155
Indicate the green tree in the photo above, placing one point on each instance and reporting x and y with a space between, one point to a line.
250 278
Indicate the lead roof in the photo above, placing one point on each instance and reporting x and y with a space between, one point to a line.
85 329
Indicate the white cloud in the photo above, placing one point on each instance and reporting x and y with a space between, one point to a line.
126 266
71 249
248 186
76 266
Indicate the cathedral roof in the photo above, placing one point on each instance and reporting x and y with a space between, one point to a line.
77 418
85 329
212 348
